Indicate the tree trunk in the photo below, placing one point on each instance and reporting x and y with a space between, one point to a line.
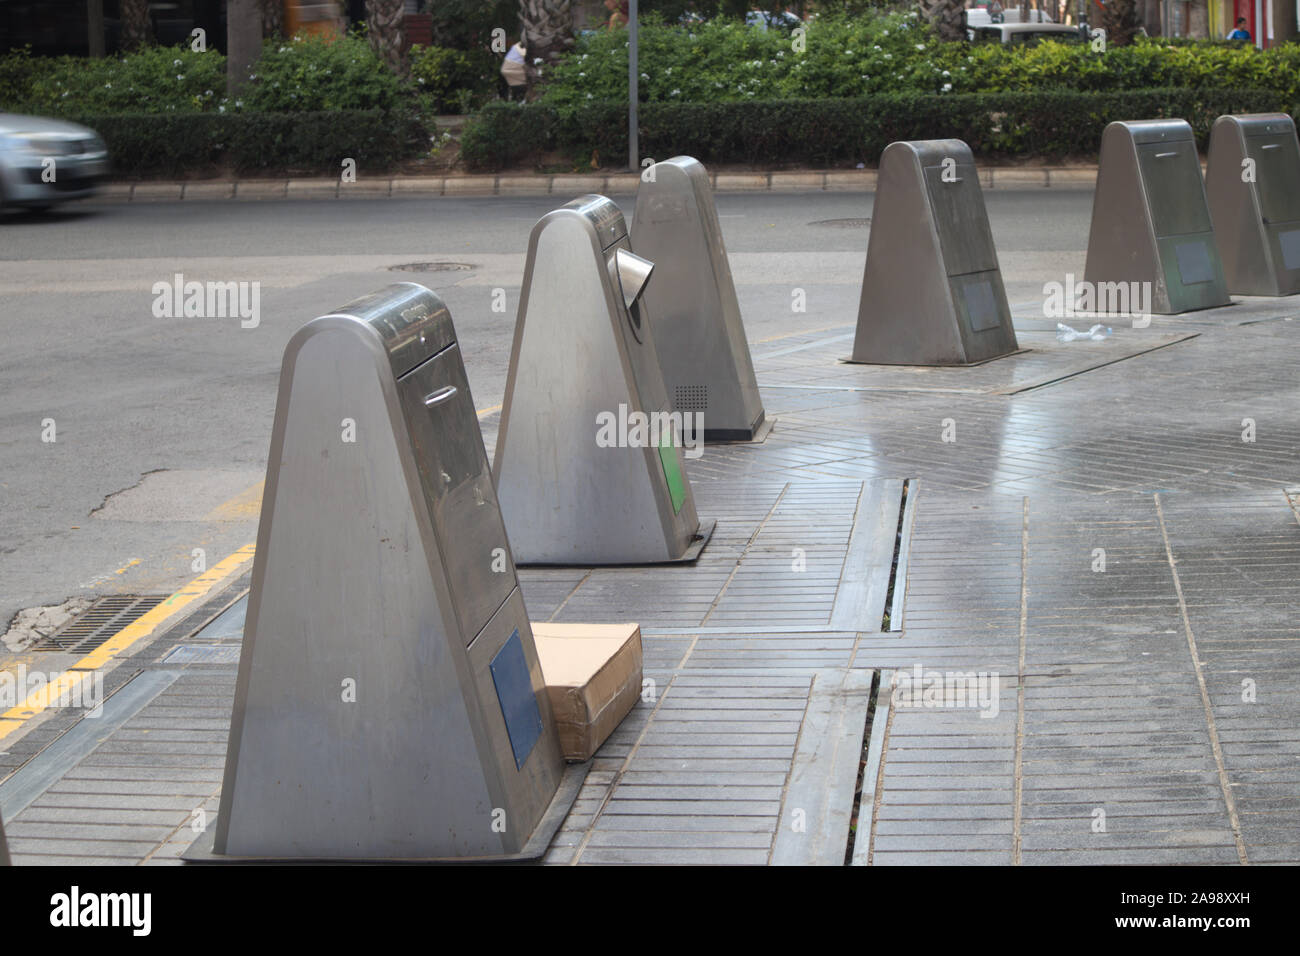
547 28
1198 19
1151 18
384 23
1120 19
136 27
95 27
945 17
272 18
243 41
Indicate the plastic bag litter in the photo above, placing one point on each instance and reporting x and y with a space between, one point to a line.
1066 334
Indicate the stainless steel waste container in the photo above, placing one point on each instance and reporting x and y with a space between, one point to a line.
589 462
1253 183
932 291
698 330
1150 220
390 704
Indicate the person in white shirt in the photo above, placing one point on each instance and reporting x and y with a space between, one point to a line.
515 70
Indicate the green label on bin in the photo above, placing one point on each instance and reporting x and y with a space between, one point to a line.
672 471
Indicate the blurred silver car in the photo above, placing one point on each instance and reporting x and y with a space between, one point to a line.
48 161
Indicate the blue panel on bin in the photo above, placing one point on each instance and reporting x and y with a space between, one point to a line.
982 306
1290 241
518 702
1194 262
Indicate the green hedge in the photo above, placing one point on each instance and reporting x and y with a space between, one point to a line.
876 54
1051 123
166 144
303 75
455 81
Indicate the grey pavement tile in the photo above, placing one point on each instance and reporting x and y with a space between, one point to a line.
974 857
677 856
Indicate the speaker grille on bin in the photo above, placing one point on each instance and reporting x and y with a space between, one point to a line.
691 398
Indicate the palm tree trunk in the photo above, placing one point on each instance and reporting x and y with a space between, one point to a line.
945 16
1198 19
547 27
136 28
384 23
1121 22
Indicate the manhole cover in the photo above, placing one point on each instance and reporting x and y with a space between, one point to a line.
843 223
432 267
99 622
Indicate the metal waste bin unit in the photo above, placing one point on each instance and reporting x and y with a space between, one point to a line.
1253 183
698 330
932 292
584 359
1150 220
390 704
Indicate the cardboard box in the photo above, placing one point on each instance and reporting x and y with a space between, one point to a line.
593 679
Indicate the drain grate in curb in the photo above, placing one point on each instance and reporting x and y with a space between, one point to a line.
843 223
99 622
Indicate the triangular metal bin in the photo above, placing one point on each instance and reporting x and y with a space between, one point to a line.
932 291
590 465
390 704
1151 231
699 333
1252 181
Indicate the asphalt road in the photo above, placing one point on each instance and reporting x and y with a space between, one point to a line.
161 425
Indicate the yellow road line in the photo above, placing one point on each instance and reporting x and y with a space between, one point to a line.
487 411
245 506
143 626
788 335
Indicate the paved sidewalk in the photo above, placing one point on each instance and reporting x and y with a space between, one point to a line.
567 185
1145 713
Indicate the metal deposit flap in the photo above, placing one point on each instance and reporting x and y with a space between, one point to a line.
960 219
605 216
458 487
1171 173
412 323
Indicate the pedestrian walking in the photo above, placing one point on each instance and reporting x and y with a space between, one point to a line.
514 69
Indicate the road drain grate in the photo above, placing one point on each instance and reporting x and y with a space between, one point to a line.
99 622
860 223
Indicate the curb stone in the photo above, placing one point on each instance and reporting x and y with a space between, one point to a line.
562 185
